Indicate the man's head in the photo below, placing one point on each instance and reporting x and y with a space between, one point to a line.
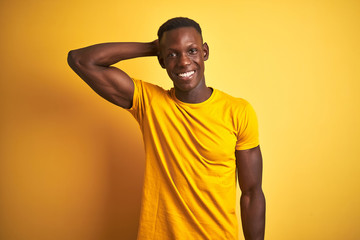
182 53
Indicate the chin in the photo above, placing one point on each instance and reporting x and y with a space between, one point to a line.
186 87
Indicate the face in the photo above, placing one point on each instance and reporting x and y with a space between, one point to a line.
183 53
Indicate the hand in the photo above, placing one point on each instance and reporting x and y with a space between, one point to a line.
155 43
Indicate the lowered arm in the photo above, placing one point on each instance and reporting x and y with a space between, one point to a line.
252 201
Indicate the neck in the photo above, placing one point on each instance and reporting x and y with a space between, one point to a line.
196 95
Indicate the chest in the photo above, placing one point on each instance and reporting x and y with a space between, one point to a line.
209 131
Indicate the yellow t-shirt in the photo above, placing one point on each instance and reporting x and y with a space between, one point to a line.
190 174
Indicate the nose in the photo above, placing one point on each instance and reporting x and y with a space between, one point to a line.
183 60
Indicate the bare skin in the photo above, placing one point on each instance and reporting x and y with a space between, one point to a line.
93 65
252 201
182 53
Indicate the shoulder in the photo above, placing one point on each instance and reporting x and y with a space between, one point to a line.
146 85
149 89
234 103
146 96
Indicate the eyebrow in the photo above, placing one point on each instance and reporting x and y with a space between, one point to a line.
171 49
191 45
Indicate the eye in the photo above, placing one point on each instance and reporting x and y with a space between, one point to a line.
193 51
172 55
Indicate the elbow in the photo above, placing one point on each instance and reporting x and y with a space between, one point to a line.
77 60
73 59
252 192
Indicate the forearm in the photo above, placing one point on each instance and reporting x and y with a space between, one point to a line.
106 54
253 214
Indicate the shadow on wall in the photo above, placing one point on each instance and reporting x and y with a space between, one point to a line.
74 160
125 178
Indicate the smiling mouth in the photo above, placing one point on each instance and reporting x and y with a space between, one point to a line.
186 74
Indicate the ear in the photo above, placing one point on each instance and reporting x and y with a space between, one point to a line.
161 60
206 51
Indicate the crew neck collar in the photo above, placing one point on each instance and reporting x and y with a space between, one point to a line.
193 105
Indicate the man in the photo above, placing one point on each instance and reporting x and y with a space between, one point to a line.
195 137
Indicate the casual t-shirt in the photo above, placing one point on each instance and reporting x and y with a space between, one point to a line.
190 174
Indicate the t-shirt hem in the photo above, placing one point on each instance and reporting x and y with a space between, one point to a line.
247 146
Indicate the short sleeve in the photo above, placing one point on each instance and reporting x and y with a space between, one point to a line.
248 133
138 107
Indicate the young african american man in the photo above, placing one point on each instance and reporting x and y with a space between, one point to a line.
197 139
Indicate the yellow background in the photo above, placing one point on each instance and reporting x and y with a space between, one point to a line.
71 164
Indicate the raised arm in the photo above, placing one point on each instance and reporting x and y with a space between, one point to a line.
252 202
93 65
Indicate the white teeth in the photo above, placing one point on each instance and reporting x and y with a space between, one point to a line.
187 74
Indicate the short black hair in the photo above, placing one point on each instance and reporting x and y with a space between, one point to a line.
178 22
